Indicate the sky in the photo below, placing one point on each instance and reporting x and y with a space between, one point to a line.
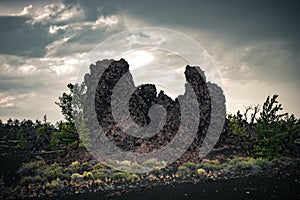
255 44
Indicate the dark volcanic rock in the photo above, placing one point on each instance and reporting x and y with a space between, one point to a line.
108 73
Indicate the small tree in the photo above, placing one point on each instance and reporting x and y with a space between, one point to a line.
276 132
71 104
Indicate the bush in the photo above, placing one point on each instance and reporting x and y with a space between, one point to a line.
87 175
33 166
99 165
120 175
32 180
201 171
53 172
98 174
236 125
182 168
247 163
54 184
133 177
76 177
151 163
210 165
191 165
276 132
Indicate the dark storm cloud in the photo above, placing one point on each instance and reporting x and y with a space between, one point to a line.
93 9
23 39
22 84
240 20
28 34
252 41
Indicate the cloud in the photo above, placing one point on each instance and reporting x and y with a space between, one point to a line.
270 61
30 32
6 101
30 87
22 39
43 45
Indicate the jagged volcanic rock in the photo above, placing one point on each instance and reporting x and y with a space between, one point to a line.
144 96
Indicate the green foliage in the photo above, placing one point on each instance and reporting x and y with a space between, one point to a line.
181 168
191 165
32 180
75 164
22 141
52 172
248 162
65 104
151 163
236 126
210 165
73 102
120 175
276 132
65 136
154 164
76 177
43 135
184 170
270 109
87 175
201 171
32 167
84 132
71 106
133 177
98 174
261 162
57 183
99 165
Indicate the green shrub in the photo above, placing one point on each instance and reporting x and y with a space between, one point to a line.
182 168
33 166
26 180
236 125
124 168
191 165
276 132
87 175
53 172
248 162
99 165
133 177
98 174
201 171
151 163
75 164
76 177
210 165
120 175
261 162
32 180
55 184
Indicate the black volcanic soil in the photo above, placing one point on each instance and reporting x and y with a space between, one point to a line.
241 188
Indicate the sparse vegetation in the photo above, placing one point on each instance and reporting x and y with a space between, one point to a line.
272 134
210 165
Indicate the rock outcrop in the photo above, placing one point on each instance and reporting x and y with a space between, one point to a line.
108 73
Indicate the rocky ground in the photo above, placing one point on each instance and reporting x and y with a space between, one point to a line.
92 180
